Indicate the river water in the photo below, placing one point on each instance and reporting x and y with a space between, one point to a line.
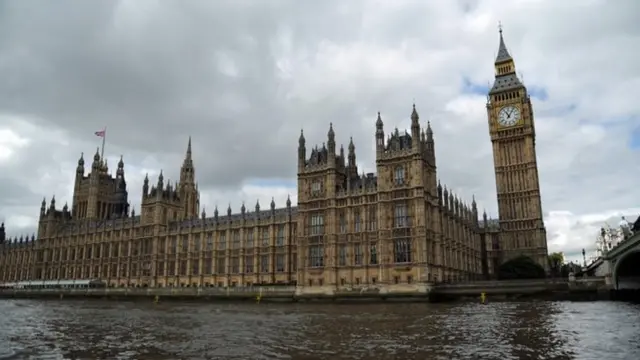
75 329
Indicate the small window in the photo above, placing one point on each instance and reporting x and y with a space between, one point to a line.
398 176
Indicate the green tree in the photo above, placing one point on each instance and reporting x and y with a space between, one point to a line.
521 267
556 261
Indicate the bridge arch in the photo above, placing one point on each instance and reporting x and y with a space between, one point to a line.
626 271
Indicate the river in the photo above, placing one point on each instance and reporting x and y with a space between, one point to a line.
75 329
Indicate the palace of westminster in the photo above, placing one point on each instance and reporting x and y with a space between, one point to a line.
398 226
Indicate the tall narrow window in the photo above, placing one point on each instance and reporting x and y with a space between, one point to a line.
402 250
343 223
342 255
373 216
400 216
357 221
316 256
357 254
280 236
373 255
317 224
265 236
398 175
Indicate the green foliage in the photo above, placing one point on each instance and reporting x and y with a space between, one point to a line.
522 267
556 262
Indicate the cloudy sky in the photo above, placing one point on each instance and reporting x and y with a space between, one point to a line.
243 77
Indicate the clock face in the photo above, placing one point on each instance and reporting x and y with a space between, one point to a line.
509 116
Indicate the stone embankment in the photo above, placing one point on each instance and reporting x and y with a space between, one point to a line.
591 288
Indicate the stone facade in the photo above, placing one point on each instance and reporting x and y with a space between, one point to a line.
396 226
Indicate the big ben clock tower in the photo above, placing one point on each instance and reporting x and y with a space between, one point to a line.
512 130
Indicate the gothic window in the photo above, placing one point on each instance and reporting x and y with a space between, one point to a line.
196 243
317 224
209 242
342 255
183 268
265 236
236 239
401 218
207 266
373 255
195 267
398 175
222 243
221 266
356 222
235 265
402 250
316 256
357 254
316 187
249 238
264 263
184 243
343 223
248 264
280 236
372 218
174 245
280 263
161 245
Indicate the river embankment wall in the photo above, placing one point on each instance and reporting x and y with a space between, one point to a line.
543 289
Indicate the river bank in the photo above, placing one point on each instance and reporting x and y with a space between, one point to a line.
552 290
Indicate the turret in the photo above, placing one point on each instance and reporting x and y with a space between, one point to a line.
43 208
187 190
331 146
302 152
379 136
3 233
145 186
415 130
351 163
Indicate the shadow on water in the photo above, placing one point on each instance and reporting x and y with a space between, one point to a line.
125 330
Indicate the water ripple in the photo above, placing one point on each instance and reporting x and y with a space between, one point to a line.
128 330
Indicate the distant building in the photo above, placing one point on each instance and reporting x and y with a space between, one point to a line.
399 225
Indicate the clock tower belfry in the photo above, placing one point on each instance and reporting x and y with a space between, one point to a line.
512 130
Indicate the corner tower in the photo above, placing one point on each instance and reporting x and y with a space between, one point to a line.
188 189
512 130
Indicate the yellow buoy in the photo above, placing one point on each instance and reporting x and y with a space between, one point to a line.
483 298
61 296
156 299
259 297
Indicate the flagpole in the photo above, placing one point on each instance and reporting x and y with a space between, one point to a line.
104 138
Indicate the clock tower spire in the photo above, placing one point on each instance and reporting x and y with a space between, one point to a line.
512 131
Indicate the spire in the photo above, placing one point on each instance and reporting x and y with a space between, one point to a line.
414 115
188 156
379 123
503 53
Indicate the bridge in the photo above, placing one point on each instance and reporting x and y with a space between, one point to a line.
620 265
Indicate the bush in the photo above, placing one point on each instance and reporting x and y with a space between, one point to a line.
522 267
